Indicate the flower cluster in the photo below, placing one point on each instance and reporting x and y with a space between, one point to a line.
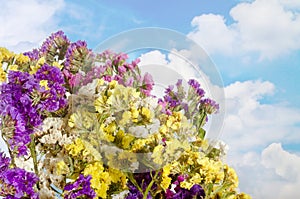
15 182
82 124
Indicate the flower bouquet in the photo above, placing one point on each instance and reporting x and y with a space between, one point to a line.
80 124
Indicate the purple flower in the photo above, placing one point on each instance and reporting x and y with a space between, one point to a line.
56 42
16 183
33 55
180 193
4 162
209 105
81 187
23 103
196 86
76 56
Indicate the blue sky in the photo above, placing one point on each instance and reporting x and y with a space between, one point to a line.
255 44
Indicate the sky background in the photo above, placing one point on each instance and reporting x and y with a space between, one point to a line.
255 45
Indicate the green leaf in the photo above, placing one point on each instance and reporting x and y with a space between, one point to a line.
201 133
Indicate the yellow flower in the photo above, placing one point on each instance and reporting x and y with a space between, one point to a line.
5 54
163 129
126 141
44 83
113 84
138 145
117 176
147 113
243 196
71 121
13 67
21 59
100 104
56 64
61 168
231 176
76 147
100 82
126 117
187 185
157 154
2 75
39 63
134 114
166 180
100 179
90 150
196 179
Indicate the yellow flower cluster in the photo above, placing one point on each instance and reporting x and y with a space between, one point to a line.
123 102
166 180
100 179
83 150
171 123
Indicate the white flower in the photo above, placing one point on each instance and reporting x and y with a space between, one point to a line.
144 131
24 163
120 195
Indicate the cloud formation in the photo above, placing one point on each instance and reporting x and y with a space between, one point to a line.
253 129
25 23
268 28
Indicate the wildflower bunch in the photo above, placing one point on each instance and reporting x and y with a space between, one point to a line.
82 124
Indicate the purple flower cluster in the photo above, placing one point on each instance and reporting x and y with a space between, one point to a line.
75 56
197 88
81 187
33 55
209 105
23 101
172 99
193 104
16 183
55 97
180 193
56 42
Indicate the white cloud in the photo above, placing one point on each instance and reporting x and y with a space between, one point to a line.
25 23
274 175
213 34
267 27
251 125
284 163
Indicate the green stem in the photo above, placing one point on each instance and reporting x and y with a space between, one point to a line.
12 157
131 178
33 155
149 186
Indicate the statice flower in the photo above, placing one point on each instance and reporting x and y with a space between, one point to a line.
55 46
81 187
210 106
24 101
76 56
197 88
33 55
180 193
16 183
55 99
